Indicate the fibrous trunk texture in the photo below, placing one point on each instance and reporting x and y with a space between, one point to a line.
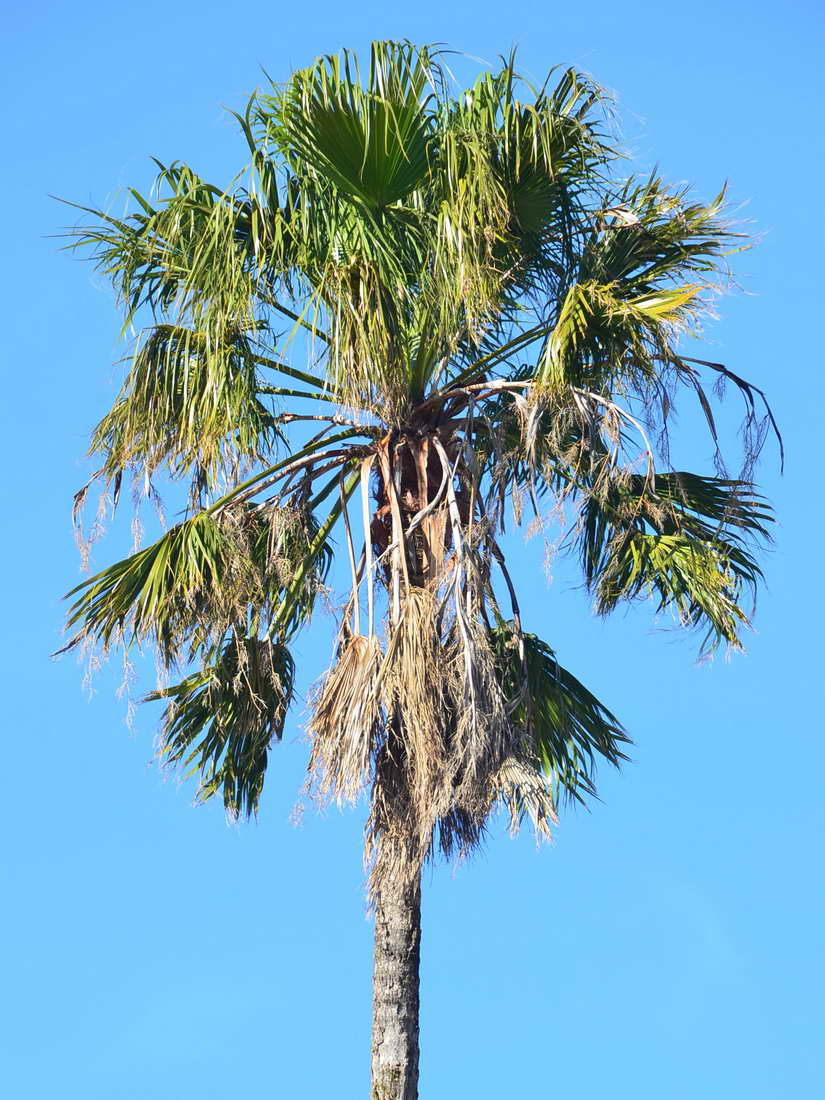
395 991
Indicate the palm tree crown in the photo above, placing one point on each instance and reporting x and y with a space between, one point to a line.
490 312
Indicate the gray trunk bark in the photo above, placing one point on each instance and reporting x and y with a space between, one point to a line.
395 993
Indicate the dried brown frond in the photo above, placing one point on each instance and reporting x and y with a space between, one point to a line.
415 690
524 790
412 767
438 768
345 720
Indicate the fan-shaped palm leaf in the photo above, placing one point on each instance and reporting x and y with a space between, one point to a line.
220 722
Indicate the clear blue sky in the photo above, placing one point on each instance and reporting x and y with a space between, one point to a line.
669 945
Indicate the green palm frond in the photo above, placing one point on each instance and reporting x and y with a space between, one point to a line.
190 401
636 286
648 234
159 593
699 581
184 256
675 502
601 332
369 142
545 148
220 721
206 574
684 539
708 506
569 728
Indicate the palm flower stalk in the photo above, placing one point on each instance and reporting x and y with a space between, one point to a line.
488 313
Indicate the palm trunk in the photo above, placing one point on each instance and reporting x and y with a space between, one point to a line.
395 992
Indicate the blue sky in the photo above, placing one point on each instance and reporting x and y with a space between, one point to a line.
669 944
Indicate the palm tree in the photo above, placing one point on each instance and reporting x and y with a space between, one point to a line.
487 311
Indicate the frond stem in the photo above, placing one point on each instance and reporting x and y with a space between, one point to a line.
291 372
